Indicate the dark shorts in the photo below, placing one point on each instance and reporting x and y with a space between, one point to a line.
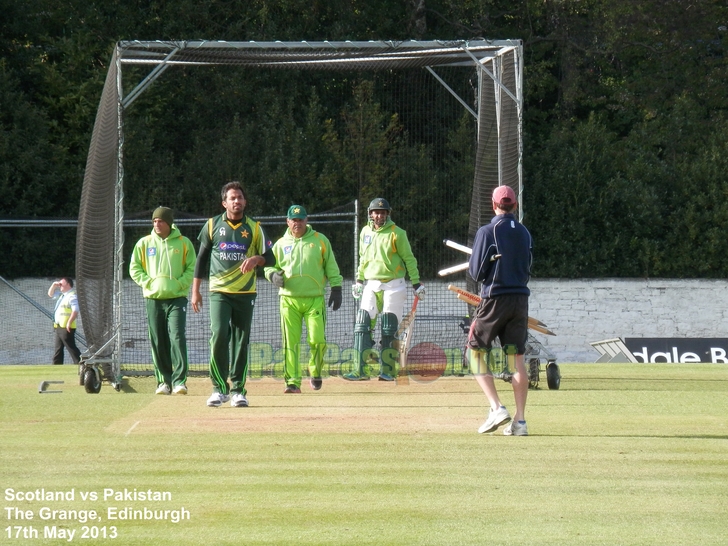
504 317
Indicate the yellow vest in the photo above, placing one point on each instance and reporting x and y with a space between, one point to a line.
63 309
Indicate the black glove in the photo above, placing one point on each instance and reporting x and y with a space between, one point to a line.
277 279
335 298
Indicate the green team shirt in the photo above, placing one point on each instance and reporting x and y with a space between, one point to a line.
385 254
230 242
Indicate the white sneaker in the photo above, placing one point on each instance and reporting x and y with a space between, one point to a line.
163 388
239 401
516 428
180 389
217 399
495 419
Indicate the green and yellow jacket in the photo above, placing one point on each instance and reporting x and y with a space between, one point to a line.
385 254
307 263
163 267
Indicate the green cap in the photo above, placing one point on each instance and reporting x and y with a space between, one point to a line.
297 211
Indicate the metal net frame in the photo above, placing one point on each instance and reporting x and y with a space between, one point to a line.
496 109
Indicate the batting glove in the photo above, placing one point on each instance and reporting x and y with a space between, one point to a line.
335 298
419 291
277 279
357 289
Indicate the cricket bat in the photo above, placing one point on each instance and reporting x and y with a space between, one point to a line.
460 267
458 246
453 269
403 341
474 300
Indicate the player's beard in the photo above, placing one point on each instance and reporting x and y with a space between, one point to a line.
379 221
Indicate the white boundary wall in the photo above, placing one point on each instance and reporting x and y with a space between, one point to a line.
586 310
578 311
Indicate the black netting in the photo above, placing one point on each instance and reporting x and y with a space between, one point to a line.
397 133
498 154
97 236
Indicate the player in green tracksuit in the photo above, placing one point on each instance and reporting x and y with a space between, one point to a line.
162 263
385 257
232 245
304 262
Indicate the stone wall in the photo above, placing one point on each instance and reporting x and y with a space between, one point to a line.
578 311
585 310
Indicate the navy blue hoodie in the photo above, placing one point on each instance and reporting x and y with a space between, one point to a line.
508 274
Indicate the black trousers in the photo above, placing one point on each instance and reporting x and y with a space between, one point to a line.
66 339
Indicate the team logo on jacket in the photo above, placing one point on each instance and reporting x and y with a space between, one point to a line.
287 249
152 251
367 239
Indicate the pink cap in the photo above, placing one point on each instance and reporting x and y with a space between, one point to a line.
504 195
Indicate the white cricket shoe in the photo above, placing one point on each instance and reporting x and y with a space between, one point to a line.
163 388
516 428
239 401
180 389
495 419
217 399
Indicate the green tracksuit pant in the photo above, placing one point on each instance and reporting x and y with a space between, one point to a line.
231 316
167 320
294 312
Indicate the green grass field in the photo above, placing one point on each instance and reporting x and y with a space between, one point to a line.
621 454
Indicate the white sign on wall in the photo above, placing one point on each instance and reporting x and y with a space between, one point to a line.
678 350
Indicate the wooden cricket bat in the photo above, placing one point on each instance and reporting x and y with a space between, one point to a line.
474 300
407 319
403 341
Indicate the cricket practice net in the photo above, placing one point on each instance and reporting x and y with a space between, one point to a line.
431 126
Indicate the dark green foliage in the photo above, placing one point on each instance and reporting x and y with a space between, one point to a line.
589 217
624 125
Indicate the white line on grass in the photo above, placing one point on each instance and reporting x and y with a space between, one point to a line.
132 428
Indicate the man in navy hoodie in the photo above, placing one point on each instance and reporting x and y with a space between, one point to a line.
501 261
